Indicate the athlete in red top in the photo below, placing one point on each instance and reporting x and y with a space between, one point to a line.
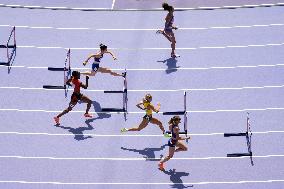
76 96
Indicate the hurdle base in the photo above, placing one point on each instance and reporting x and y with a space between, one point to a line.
113 110
4 64
56 69
53 87
113 91
174 113
239 154
234 134
183 132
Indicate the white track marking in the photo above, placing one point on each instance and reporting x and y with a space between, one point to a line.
158 48
156 90
143 183
138 159
141 112
153 9
126 135
163 69
143 29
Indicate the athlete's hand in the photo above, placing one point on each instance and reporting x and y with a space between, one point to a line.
114 58
175 28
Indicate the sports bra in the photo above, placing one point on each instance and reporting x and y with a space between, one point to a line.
146 104
174 135
98 59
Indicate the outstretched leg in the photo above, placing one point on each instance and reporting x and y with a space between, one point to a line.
92 73
70 107
141 126
106 70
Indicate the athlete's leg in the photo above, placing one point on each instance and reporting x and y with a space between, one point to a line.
92 73
106 70
89 103
180 147
157 122
142 125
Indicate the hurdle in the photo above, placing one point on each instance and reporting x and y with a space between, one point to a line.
246 134
124 98
10 56
66 74
183 112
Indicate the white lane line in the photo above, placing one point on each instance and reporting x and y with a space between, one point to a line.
126 135
155 90
163 69
32 6
143 29
153 9
139 183
151 90
138 159
160 48
72 28
141 112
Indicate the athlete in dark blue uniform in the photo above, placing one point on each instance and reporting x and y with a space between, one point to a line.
173 141
96 64
168 30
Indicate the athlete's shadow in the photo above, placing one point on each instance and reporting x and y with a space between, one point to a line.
148 153
78 132
98 109
171 63
175 177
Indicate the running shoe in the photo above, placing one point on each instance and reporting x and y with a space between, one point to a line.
56 119
161 166
88 115
124 74
159 31
167 135
124 130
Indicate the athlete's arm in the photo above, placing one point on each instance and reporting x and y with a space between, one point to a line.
113 56
91 56
87 83
68 82
156 109
139 105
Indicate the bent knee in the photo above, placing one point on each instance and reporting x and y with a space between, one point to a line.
170 156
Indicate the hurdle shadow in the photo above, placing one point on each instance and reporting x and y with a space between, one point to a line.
171 64
12 62
175 178
98 109
147 153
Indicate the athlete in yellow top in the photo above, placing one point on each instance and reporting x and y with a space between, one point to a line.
146 105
